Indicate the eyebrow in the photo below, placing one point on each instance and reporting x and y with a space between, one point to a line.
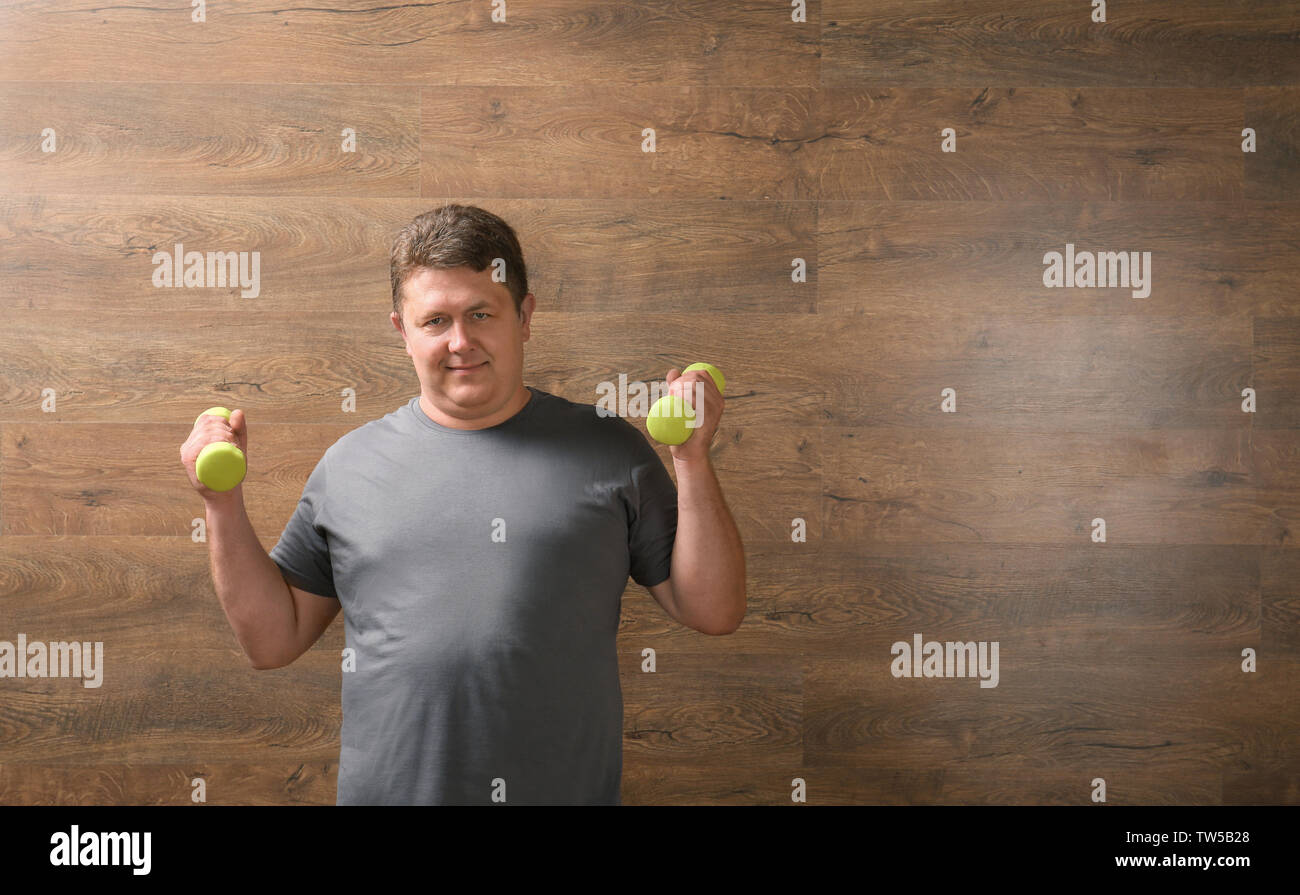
479 305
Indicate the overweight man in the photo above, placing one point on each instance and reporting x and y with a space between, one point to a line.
478 540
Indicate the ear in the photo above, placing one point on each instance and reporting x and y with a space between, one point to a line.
397 323
526 313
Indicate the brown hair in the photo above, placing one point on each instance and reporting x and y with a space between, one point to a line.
457 236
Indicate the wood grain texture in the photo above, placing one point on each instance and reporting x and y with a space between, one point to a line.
779 145
1194 43
686 257
226 783
551 42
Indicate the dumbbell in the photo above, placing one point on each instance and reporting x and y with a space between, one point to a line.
220 465
667 419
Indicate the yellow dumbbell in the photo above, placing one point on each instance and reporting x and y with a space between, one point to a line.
667 419
220 465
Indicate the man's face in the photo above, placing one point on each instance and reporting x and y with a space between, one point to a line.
466 340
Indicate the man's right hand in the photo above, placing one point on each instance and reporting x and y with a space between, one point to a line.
210 428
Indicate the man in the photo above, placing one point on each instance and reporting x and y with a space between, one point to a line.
478 540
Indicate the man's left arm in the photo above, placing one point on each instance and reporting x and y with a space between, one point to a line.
706 587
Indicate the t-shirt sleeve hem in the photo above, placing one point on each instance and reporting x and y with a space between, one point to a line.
652 579
312 586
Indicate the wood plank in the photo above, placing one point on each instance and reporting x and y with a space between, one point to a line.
744 708
1275 455
131 592
669 782
1026 144
1092 606
1153 710
171 704
835 143
1221 262
1276 372
681 257
1271 170
123 479
1170 43
710 142
1043 375
547 42
208 138
286 782
274 362
1279 590
1162 486
1275 783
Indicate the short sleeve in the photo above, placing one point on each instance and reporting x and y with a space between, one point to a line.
303 552
652 515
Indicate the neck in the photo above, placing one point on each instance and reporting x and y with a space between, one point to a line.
516 403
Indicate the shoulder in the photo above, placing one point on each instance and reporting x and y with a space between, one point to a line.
365 437
594 423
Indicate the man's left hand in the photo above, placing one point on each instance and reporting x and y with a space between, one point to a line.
696 447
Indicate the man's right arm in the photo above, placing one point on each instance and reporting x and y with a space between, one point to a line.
274 622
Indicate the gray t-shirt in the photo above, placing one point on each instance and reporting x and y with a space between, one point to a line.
480 574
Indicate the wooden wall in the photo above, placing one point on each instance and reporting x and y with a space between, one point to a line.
775 140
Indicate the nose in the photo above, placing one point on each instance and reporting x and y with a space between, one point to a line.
458 341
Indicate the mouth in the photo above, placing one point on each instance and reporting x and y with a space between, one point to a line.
470 369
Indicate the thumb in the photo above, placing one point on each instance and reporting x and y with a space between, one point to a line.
672 374
240 426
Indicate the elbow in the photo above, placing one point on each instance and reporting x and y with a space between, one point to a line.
262 664
730 626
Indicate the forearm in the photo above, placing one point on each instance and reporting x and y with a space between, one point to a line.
249 585
708 564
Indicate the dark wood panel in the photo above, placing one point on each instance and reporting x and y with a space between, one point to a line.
344 41
1276 367
131 592
665 782
1274 783
834 144
1275 454
1042 375
283 782
171 704
1279 590
934 260
115 479
1163 486
1169 43
741 707
167 366
1031 375
714 143
208 138
1272 171
678 257
1091 605
125 479
1027 144
1153 710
